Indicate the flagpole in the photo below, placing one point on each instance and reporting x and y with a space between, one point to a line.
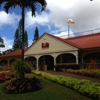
70 21
68 29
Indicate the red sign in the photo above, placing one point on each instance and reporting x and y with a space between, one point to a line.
45 45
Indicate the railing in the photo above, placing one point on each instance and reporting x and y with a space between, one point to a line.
83 33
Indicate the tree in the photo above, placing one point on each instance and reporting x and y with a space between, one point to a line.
18 37
36 34
23 4
17 41
20 30
25 39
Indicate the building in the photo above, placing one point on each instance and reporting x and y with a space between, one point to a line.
50 50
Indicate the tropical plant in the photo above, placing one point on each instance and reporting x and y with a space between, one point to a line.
23 4
23 85
20 67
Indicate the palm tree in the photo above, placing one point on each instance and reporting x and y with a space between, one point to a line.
30 4
1 43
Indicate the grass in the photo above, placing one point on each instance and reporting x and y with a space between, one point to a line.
51 91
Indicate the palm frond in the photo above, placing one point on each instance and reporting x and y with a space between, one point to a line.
29 4
3 1
33 9
9 5
43 3
32 5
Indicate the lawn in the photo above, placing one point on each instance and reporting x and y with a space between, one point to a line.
51 91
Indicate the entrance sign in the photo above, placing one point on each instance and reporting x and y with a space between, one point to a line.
45 45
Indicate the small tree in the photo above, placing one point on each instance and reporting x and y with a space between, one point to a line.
17 41
26 39
18 37
36 34
20 31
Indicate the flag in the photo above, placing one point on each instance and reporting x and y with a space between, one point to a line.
70 21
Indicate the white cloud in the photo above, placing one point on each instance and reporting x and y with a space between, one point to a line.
39 19
62 4
85 14
8 19
57 13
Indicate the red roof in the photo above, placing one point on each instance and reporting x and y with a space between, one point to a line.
85 42
13 54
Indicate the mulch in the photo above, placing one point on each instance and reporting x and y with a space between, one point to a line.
73 75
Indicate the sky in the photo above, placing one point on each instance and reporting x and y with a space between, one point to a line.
53 20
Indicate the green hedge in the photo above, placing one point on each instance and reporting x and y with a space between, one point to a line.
83 86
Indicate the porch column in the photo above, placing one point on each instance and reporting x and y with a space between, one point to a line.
61 58
54 61
76 57
82 62
37 65
44 61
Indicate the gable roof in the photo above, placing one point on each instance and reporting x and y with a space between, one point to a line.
81 42
85 42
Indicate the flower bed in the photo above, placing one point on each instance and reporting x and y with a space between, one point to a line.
5 76
24 85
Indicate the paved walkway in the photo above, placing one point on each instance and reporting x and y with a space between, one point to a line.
73 75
